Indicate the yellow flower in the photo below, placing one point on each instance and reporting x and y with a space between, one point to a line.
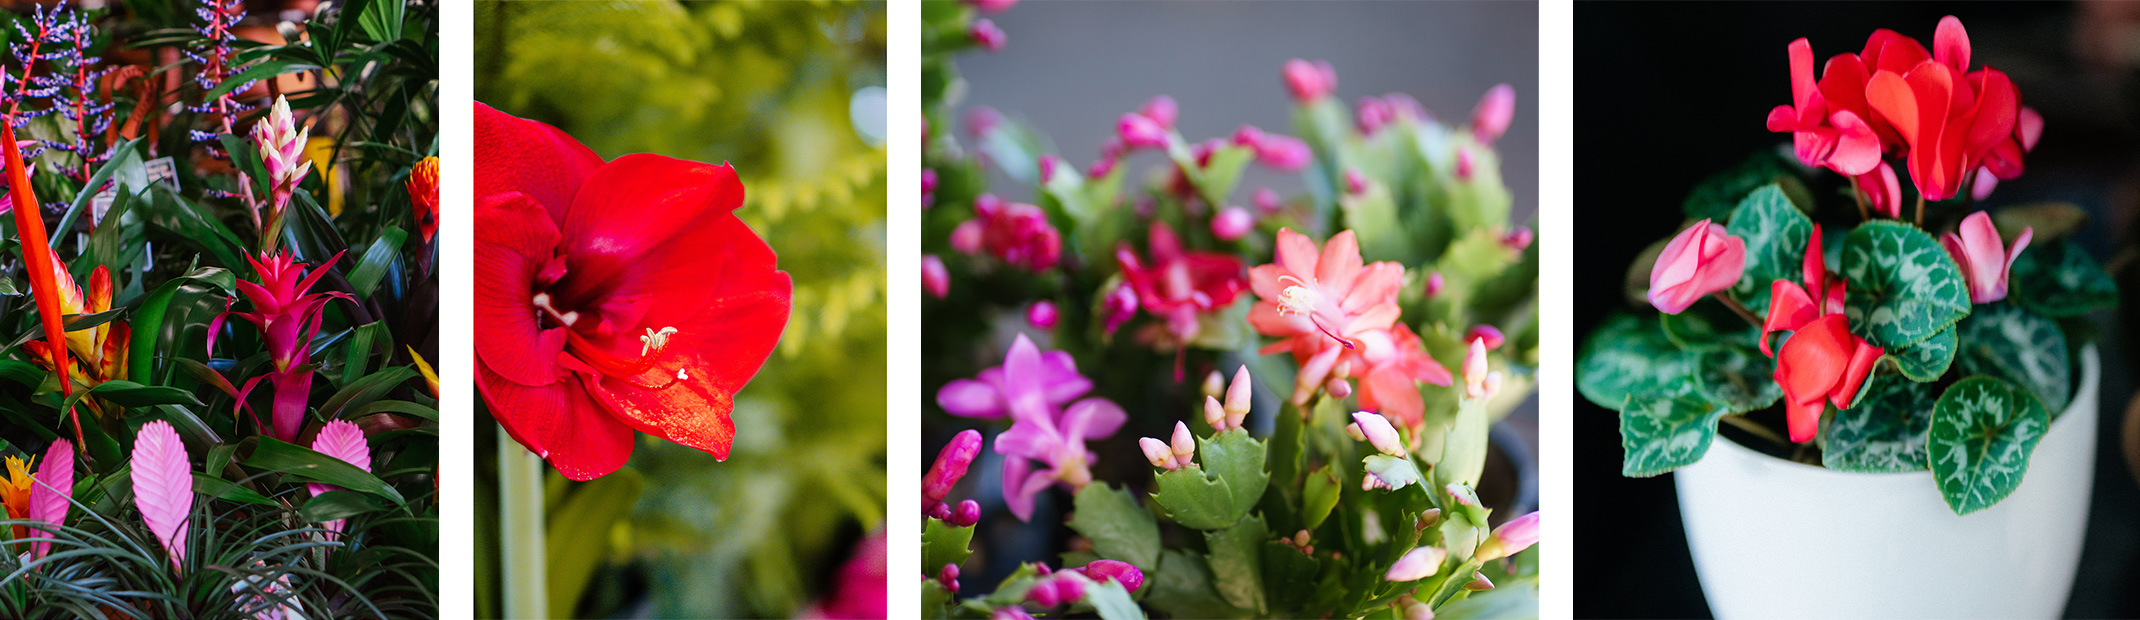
15 489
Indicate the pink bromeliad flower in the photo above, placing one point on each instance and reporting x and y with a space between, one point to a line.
1046 442
288 318
1328 308
344 441
1179 285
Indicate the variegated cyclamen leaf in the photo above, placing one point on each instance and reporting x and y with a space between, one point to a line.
1903 287
1716 196
163 485
1630 357
2023 348
2060 279
54 484
1928 359
1737 379
1885 431
1666 434
1983 431
1776 233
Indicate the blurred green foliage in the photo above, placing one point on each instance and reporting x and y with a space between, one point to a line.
768 87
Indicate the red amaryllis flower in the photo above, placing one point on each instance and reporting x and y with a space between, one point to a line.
613 296
1177 284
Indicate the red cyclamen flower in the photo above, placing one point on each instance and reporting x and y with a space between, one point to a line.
1842 140
613 296
1949 116
1822 362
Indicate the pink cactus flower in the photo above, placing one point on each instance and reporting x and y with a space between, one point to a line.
1041 315
1045 444
1232 223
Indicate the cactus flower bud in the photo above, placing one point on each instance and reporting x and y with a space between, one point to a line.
1419 563
1435 282
987 35
1139 132
1379 432
1118 307
1121 572
1267 200
949 577
934 277
1518 239
1041 315
1240 395
1491 118
950 465
1309 81
1232 223
1161 110
1184 444
1479 583
1478 381
1214 384
967 514
1511 538
1214 414
1157 453
1355 182
1487 334
1047 168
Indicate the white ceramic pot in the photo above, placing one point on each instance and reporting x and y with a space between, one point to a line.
1777 539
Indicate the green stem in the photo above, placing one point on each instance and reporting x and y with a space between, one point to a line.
521 507
1455 582
1757 429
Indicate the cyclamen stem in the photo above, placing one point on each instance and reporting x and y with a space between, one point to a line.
1920 210
1735 307
1758 430
1859 193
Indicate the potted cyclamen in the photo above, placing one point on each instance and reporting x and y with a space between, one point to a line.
1921 361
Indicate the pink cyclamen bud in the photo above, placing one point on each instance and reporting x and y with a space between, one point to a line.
987 35
950 465
1702 259
991 6
934 277
1519 238
1309 81
1240 395
1117 308
1047 168
1511 538
1379 432
1139 132
1041 314
1487 334
982 119
1121 572
1984 262
1435 282
1373 114
1496 109
1283 153
1419 563
1157 453
1232 223
1268 201
1355 182
1161 110
967 514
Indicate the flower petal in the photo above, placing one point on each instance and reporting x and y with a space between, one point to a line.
344 441
518 155
163 485
968 398
649 222
558 422
1093 418
515 255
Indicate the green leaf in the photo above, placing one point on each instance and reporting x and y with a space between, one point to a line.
1630 357
1221 487
218 488
1983 431
370 388
1737 379
1288 577
1517 600
303 463
2027 350
377 259
1117 525
2059 279
1238 458
1112 602
1322 495
1194 500
577 540
943 543
1374 220
1717 196
1397 471
131 394
339 505
1776 233
1237 562
1903 286
382 22
1666 434
160 324
1928 359
395 406
1885 431
259 71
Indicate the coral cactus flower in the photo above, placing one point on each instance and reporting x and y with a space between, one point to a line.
1983 260
1701 260
1396 364
1178 285
423 196
613 296
282 151
1321 305
1046 443
1053 382
1950 117
1842 141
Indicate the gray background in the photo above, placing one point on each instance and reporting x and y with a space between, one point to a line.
1070 68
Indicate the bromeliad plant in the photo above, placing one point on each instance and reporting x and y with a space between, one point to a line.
1886 345
1358 496
164 461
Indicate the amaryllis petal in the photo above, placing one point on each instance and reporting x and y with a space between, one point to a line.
558 422
163 485
50 490
516 254
518 155
624 235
